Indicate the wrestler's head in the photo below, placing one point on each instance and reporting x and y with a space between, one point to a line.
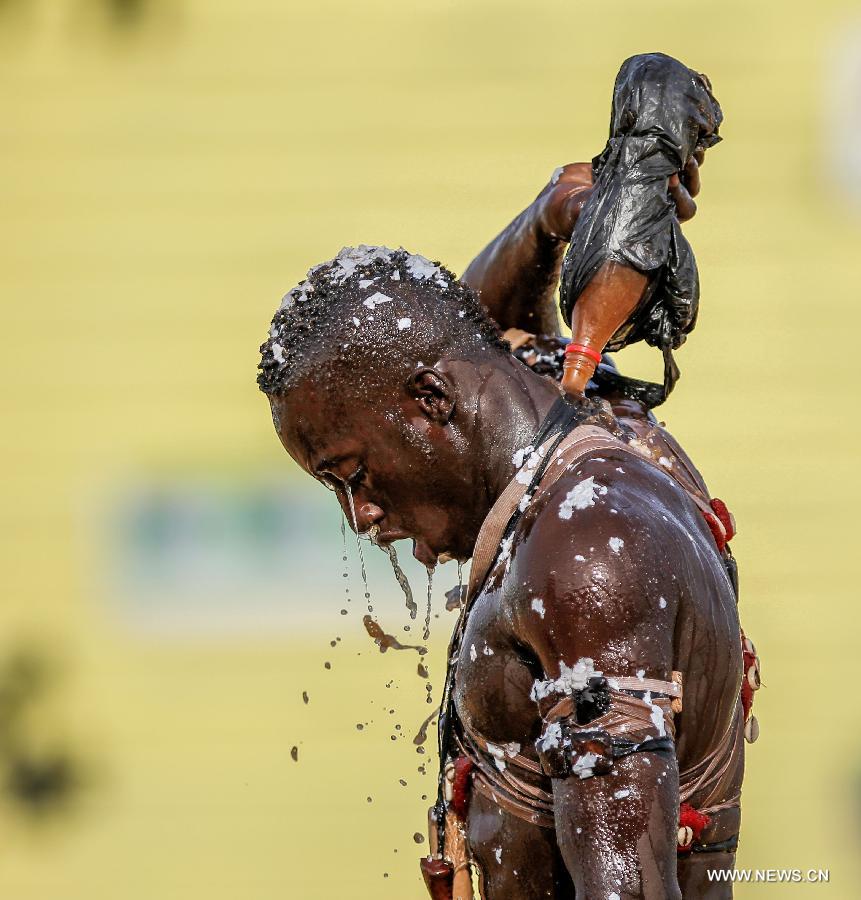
370 369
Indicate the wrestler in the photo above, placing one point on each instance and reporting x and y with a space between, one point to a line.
606 606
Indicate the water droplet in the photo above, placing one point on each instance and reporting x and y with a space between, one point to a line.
344 558
419 838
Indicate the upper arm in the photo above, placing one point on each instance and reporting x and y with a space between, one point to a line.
604 575
516 274
601 553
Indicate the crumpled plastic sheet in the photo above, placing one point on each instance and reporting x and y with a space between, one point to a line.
662 113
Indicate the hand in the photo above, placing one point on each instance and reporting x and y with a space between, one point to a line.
683 188
561 201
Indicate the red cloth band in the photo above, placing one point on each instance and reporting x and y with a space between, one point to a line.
586 351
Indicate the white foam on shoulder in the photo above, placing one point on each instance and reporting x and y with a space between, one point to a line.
581 496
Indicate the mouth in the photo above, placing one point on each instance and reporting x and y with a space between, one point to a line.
421 550
384 538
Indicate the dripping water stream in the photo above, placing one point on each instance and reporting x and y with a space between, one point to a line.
359 547
426 631
412 606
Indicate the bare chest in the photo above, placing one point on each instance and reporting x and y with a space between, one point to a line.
494 677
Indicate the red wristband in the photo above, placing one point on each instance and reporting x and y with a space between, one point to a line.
586 351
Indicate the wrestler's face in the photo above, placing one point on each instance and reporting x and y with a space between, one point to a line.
407 468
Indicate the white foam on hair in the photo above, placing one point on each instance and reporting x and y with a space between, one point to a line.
351 258
376 299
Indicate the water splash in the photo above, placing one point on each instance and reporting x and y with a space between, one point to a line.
359 547
388 641
422 733
456 597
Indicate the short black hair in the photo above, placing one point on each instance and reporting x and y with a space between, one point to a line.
382 309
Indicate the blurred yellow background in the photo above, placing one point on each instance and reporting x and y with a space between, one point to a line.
167 171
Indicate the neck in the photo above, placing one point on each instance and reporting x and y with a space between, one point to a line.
510 403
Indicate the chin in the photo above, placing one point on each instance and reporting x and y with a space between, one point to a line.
423 552
427 554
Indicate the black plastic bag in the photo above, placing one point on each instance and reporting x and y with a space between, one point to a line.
662 113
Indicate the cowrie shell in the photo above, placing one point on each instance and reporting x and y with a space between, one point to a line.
753 677
751 729
448 786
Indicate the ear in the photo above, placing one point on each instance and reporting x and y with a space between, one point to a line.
434 394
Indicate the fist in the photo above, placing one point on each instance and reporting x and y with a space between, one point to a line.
685 185
561 201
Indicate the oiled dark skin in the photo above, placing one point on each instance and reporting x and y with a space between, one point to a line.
467 418
605 606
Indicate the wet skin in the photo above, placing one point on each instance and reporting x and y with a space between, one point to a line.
431 472
606 607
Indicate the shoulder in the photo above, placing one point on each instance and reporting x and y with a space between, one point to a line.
613 487
607 536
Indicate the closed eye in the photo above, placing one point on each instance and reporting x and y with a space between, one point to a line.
329 482
334 483
356 478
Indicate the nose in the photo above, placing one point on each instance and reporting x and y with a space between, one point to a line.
367 514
